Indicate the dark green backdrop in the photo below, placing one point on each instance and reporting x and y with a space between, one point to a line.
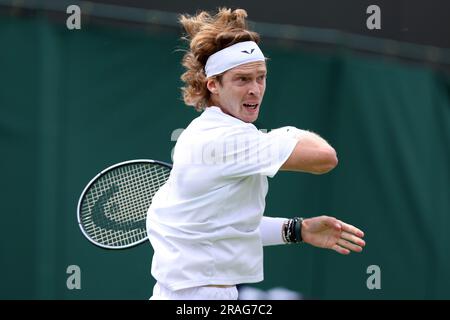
74 102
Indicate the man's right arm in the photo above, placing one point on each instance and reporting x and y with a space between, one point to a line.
312 154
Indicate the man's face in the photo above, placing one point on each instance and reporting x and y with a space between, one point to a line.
241 92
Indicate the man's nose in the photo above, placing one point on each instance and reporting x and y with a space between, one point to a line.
254 89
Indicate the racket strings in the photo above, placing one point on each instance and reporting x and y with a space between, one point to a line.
115 207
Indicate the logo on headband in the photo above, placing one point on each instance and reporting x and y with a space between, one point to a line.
245 51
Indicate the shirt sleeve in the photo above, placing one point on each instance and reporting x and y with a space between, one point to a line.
254 152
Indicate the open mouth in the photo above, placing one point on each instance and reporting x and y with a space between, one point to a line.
251 106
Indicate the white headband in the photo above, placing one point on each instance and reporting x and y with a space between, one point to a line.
233 56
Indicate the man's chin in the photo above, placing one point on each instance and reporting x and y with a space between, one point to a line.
250 118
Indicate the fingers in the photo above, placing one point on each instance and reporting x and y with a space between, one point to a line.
342 226
349 238
352 238
351 229
349 245
340 249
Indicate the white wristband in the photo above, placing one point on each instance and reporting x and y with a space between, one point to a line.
271 231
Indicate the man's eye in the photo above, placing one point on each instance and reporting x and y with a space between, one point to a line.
242 78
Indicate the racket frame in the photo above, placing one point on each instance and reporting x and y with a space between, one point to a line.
93 180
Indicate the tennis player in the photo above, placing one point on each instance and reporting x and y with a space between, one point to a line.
206 224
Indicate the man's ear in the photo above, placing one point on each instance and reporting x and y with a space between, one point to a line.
211 84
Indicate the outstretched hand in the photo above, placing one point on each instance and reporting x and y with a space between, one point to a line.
331 233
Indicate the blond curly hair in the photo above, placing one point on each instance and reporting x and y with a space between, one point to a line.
206 35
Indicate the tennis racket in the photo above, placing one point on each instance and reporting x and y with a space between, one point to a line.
112 208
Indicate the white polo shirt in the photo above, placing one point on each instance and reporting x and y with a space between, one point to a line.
203 223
